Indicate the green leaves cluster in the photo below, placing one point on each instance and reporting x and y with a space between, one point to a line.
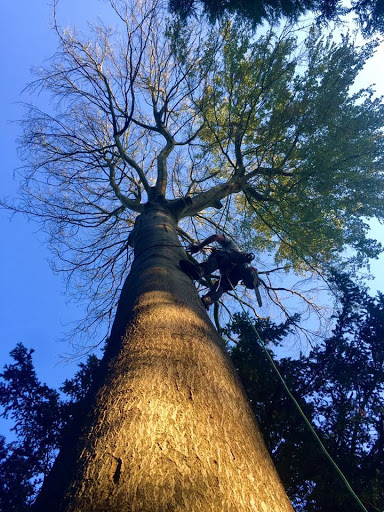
283 116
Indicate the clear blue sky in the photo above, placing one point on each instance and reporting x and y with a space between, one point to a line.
33 303
34 308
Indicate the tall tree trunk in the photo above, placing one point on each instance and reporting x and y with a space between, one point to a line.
170 428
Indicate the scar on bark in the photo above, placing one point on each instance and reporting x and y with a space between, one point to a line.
117 472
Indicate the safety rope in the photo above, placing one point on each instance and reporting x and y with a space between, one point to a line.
302 414
281 378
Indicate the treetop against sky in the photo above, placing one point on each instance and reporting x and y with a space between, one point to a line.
259 132
256 136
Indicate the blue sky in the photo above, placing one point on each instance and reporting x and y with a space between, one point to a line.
34 309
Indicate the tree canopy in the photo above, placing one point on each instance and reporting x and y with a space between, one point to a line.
369 14
261 136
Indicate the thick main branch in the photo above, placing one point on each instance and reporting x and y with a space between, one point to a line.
124 200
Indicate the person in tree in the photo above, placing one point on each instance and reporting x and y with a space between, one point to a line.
233 265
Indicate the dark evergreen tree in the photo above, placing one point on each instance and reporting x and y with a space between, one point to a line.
340 387
369 14
34 409
39 415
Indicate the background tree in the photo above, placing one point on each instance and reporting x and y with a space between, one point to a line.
369 14
39 415
151 131
34 410
339 384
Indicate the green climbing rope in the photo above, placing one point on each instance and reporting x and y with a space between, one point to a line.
302 414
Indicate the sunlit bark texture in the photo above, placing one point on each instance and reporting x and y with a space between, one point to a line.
184 131
171 428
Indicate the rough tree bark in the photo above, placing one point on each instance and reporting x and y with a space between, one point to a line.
170 428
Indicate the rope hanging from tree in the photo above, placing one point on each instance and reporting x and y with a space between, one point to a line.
300 410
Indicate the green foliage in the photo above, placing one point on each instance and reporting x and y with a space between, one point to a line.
39 416
340 387
197 117
282 116
369 14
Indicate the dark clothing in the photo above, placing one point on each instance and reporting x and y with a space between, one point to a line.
223 260
233 268
232 264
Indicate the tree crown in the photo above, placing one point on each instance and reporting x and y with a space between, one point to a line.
224 128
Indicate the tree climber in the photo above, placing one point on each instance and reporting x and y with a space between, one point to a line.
232 264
